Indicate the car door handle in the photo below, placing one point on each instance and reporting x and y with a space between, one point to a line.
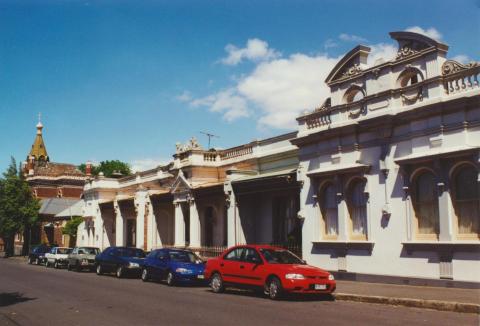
242 267
221 265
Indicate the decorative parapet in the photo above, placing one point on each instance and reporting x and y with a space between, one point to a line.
460 77
236 152
192 144
350 72
405 52
210 156
318 119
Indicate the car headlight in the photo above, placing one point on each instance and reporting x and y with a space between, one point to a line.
294 277
84 260
133 265
182 270
330 277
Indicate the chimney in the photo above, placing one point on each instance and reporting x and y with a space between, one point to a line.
88 169
30 164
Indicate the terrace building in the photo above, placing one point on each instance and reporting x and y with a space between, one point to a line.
390 166
203 199
380 181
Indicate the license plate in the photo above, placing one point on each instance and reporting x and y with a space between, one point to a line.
200 277
320 286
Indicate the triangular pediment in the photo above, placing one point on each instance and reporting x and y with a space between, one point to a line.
180 185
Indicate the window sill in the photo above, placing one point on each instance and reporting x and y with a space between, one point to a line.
442 246
345 244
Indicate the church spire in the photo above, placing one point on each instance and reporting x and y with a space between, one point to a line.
39 151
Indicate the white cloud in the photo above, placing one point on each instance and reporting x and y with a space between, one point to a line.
351 38
228 102
186 96
462 58
330 44
280 89
255 50
430 32
146 164
381 52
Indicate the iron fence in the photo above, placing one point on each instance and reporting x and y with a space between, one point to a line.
215 251
203 252
295 248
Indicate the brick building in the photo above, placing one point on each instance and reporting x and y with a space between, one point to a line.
58 186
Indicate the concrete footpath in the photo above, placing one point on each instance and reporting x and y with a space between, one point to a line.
438 298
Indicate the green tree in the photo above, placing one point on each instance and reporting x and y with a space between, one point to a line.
18 208
108 168
71 227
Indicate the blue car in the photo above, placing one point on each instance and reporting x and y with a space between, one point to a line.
122 261
173 265
37 254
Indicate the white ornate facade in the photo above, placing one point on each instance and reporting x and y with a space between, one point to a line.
390 166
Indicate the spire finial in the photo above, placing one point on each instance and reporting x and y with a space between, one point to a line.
39 124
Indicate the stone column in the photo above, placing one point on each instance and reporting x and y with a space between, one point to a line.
444 205
150 225
140 201
308 211
444 208
179 226
234 227
119 225
99 229
195 227
342 211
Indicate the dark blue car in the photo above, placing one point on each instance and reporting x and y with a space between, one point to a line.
37 254
120 260
173 265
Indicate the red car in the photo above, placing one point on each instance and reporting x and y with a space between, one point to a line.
275 270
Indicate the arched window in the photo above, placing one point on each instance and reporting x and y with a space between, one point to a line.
409 76
357 207
329 210
426 205
466 197
353 94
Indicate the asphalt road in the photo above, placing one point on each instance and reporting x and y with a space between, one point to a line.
35 295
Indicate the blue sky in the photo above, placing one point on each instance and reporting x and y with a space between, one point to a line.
128 79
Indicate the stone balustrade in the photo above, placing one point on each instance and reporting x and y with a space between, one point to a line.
236 152
210 157
318 120
459 78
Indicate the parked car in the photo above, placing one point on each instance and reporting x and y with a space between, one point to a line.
174 266
82 258
275 270
37 254
57 257
120 260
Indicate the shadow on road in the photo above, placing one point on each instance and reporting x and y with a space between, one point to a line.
8 299
286 297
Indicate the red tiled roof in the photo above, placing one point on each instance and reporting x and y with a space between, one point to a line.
56 170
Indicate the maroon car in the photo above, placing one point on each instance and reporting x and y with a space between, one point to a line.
275 270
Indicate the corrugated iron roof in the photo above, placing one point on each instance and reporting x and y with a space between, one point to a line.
53 206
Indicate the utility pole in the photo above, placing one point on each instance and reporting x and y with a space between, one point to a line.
210 136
